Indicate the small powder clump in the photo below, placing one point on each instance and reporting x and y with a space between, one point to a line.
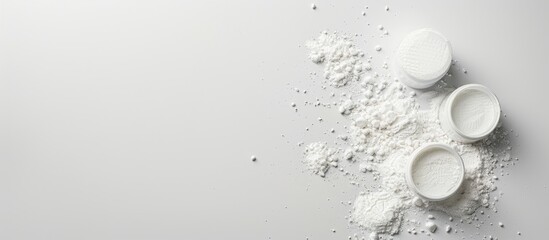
342 58
319 158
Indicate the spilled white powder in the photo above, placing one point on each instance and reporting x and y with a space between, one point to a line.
379 211
387 125
341 58
436 173
319 158
473 112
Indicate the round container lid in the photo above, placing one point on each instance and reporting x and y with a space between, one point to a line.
435 171
423 57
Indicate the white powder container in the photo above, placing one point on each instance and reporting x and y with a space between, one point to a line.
435 171
469 113
423 58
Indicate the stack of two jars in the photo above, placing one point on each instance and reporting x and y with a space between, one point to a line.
468 114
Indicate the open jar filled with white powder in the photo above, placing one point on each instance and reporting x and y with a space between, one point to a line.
469 113
435 172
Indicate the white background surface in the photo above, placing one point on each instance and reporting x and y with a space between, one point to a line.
128 119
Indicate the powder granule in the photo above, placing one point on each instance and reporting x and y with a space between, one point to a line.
431 226
319 158
342 59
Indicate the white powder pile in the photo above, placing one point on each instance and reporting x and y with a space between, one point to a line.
436 173
379 212
387 125
341 58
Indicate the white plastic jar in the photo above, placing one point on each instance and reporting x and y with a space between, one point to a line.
423 58
469 113
435 172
